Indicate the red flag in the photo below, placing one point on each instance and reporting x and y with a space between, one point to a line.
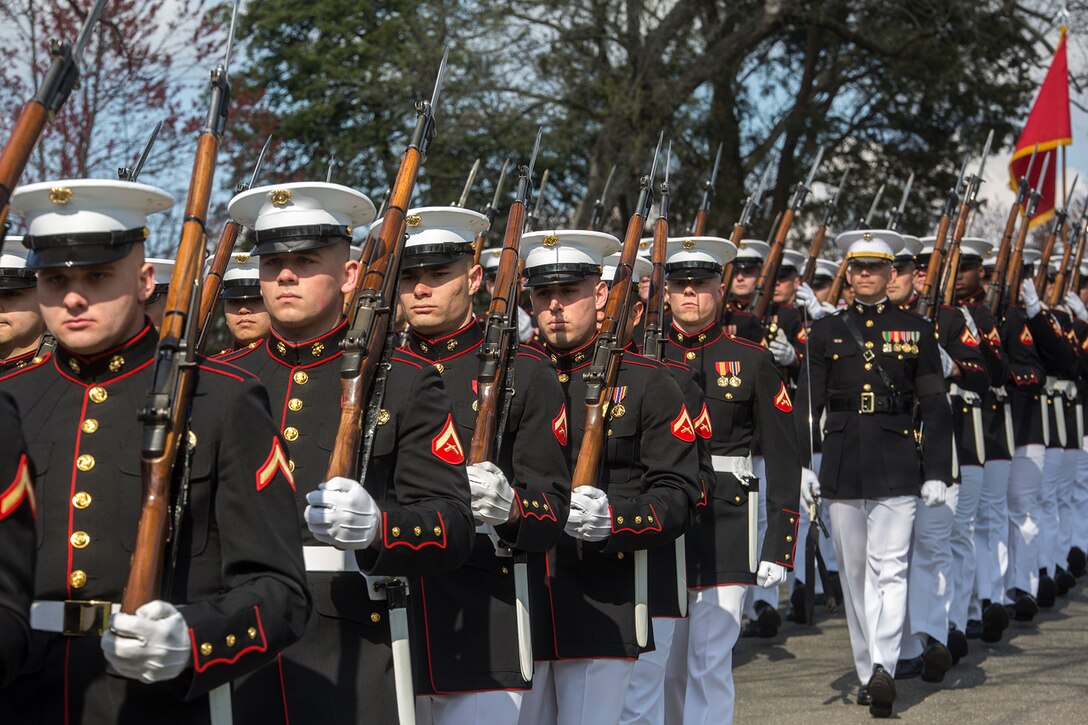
1048 126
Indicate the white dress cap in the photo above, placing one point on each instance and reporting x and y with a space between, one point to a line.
752 250
698 257
300 216
870 244
565 255
642 268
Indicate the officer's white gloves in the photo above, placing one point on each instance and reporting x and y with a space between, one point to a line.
151 645
934 493
1076 306
770 575
810 486
1030 298
807 299
342 513
589 519
780 347
492 495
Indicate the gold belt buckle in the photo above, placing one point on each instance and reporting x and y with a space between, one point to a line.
868 403
85 617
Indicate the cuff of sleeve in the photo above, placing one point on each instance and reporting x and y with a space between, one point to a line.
224 641
412 530
629 517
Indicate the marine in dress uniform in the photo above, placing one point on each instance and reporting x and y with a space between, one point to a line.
644 497
411 516
21 325
233 592
18 550
871 470
243 307
736 319
467 666
489 260
746 397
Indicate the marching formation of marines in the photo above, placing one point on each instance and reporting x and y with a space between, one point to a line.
553 481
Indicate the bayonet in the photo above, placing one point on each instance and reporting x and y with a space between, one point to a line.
230 35
668 163
532 157
328 173
873 207
498 187
800 193
598 207
468 184
85 32
257 166
1033 200
896 214
713 181
127 174
657 153
532 218
441 76
829 212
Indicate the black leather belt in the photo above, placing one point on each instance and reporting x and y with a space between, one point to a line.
868 403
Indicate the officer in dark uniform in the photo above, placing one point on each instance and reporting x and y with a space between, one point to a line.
234 592
867 365
746 396
412 514
18 552
243 307
21 325
644 496
468 667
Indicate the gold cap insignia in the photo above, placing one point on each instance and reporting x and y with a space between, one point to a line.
241 258
280 197
550 241
867 237
689 244
60 195
413 220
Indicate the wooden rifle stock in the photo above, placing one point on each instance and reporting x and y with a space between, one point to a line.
996 291
653 342
213 282
1044 260
814 254
837 285
768 275
1016 265
927 298
952 264
1078 259
1057 288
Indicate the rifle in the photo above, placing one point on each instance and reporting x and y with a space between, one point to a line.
1016 258
530 221
653 342
927 297
868 220
761 301
490 211
56 86
1056 230
837 285
600 377
996 291
698 225
821 231
895 215
1081 230
740 229
224 248
126 173
598 206
1056 290
165 413
468 185
970 203
328 171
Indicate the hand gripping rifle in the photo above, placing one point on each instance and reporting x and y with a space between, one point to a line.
491 211
228 238
165 414
995 293
56 85
698 225
969 204
1057 231
821 232
368 345
495 383
740 229
1056 290
764 294
597 218
600 378
927 297
1016 257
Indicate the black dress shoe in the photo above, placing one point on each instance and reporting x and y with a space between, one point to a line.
936 661
863 695
1048 591
797 605
995 620
957 645
766 623
973 630
908 669
881 689
1078 562
1024 607
1064 580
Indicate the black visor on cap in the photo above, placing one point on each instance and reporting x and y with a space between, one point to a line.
17 278
434 255
288 240
692 270
82 249
239 289
786 271
550 274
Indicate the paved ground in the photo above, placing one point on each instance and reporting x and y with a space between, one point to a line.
1036 674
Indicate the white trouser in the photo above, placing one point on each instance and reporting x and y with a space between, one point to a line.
676 670
1067 508
1080 497
713 628
929 591
759 594
962 577
577 691
872 542
1053 470
1027 473
992 532
645 703
469 708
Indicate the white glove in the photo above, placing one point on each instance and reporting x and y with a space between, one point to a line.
492 496
342 513
780 347
770 575
1030 298
151 646
948 365
1076 306
807 299
810 486
934 493
589 518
